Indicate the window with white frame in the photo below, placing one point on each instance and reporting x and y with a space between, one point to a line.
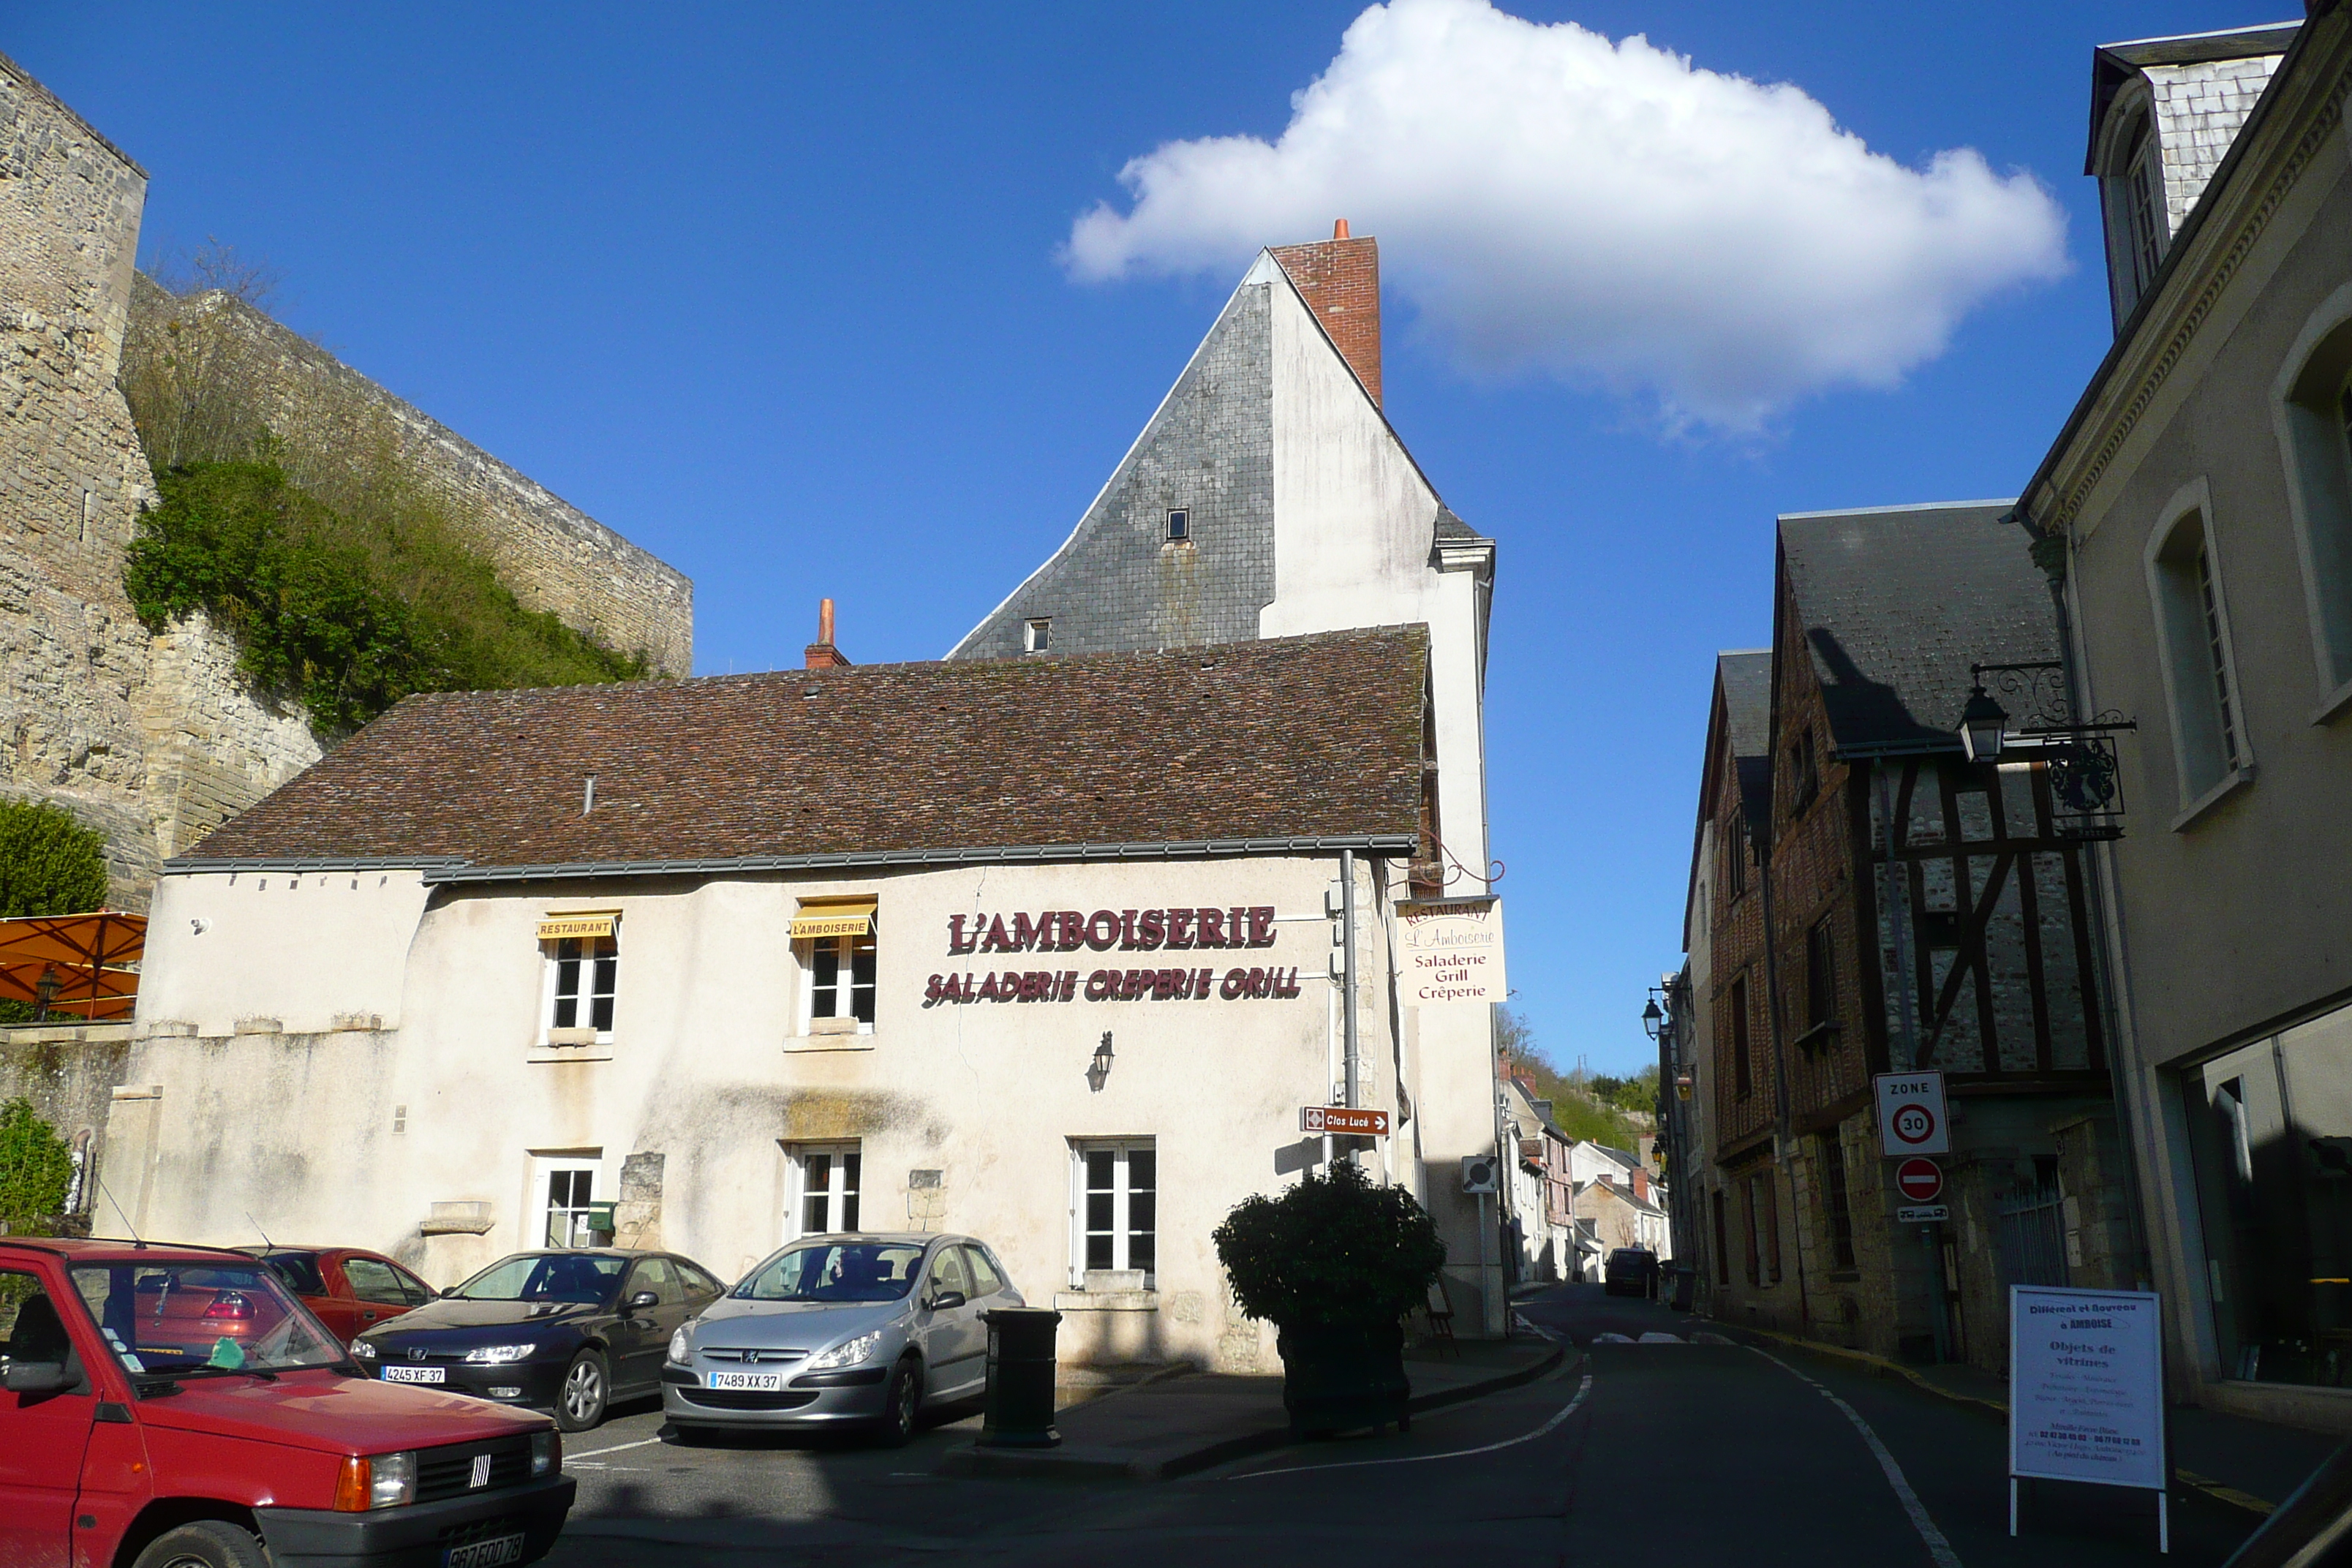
836 943
1116 1217
2313 409
571 1196
1180 525
825 1180
841 984
583 974
2193 629
1038 634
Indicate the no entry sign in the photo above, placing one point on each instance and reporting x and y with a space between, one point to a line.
1911 1114
1919 1180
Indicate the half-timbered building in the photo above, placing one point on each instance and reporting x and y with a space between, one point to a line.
1901 908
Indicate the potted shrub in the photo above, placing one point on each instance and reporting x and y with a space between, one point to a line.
1334 1263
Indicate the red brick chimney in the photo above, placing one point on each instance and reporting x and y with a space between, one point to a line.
821 654
1641 1184
1340 279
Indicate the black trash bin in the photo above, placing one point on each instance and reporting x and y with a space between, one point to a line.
1685 1283
1019 1406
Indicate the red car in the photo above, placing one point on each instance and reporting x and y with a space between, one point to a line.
348 1288
177 1405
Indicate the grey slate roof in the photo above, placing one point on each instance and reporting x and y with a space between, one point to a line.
1452 527
1747 677
2113 65
1895 605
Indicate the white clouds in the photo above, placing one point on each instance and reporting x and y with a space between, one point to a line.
1607 213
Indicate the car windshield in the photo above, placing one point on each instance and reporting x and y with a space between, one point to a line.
585 1277
178 1318
835 1271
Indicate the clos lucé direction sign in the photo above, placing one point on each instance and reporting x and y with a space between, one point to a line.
1345 1118
1130 931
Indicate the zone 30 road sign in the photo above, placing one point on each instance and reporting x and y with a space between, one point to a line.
1911 1114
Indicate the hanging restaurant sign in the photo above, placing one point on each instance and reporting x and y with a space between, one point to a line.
579 922
1452 949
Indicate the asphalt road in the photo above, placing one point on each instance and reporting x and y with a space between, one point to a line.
1699 1453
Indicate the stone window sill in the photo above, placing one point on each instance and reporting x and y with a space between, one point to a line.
1821 1037
2195 811
1106 1301
802 1045
2338 703
574 1046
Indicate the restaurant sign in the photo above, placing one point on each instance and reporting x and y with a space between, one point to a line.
1133 930
1452 949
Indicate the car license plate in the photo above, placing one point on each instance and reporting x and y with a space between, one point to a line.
489 1553
745 1381
424 1374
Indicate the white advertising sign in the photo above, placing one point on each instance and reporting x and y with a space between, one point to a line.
1911 1114
2085 1387
1453 952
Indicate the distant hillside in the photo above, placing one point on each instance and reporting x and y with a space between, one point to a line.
1612 1111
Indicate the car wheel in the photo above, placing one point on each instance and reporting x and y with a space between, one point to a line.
902 1404
580 1403
205 1543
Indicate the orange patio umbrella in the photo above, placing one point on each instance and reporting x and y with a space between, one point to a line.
84 966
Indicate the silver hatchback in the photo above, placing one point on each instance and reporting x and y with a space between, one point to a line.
840 1331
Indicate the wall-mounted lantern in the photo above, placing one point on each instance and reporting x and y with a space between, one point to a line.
1983 726
1100 1071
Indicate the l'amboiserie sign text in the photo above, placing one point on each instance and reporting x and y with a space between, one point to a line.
1133 930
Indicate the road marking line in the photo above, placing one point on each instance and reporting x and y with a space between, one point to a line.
1582 1389
616 1449
1938 1547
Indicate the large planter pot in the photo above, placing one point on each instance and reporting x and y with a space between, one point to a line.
1337 1378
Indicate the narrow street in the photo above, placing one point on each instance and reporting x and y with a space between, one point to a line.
1710 1452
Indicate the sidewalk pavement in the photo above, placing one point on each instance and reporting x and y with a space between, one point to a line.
1173 1426
2234 1459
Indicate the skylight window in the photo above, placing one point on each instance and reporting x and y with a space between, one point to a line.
1180 525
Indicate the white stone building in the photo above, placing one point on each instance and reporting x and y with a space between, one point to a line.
1046 952
1269 496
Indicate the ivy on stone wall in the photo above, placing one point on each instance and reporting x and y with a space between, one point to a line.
344 615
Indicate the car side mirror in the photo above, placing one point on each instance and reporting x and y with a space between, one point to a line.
643 1299
36 1377
943 1301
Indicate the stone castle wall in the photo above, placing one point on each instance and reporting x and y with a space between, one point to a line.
153 741
554 556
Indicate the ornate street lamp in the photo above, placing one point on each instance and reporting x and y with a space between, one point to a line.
1099 1073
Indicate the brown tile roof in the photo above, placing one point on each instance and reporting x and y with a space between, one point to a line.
1292 737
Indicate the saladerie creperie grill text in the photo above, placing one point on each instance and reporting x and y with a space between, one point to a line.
1140 930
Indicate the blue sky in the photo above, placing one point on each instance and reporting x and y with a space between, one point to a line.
777 293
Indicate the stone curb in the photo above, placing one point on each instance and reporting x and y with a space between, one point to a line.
2220 1491
1083 1464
